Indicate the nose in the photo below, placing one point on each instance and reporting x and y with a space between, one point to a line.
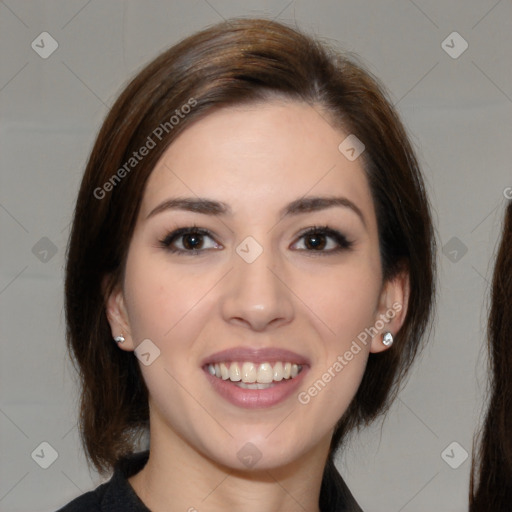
257 295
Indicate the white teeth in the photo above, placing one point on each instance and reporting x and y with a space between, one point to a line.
256 385
249 372
254 374
234 372
224 372
278 371
265 373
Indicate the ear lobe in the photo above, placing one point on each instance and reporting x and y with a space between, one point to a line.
392 310
117 315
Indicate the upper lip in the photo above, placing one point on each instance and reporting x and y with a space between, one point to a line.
255 355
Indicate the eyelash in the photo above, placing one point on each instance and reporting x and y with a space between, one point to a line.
343 243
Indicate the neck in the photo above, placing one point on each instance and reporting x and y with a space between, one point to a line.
179 478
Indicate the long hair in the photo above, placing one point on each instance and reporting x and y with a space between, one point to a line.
235 62
491 477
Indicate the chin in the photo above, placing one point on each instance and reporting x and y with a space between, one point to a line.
257 451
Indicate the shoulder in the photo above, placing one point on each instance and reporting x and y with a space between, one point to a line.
116 494
88 502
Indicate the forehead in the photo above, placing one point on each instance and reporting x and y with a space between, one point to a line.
265 153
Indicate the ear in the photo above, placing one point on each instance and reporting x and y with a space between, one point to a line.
117 315
392 309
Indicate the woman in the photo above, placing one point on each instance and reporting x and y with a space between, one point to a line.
491 481
253 225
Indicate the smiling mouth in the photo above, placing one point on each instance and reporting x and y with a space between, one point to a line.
248 375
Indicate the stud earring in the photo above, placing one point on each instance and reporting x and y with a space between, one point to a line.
387 339
119 339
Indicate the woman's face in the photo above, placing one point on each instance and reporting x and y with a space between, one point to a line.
274 276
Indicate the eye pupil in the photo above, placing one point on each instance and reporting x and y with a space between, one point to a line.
315 241
192 240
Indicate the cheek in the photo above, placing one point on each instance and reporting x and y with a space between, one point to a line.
161 297
164 305
346 304
344 299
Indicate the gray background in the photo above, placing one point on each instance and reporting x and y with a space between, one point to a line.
458 112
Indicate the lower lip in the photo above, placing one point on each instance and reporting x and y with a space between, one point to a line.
256 398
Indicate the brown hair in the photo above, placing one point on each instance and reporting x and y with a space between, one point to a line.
234 62
491 477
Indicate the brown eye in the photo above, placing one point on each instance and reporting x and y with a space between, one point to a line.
323 240
191 240
315 241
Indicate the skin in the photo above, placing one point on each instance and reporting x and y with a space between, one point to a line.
256 159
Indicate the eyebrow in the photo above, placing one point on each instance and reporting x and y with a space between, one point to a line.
211 207
313 204
192 204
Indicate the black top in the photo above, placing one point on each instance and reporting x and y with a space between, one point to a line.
117 495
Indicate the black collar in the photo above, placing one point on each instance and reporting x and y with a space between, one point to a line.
119 494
